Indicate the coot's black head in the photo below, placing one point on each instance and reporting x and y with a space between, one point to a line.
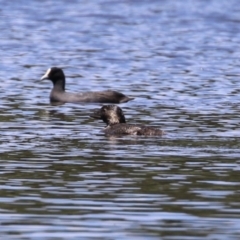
56 75
110 114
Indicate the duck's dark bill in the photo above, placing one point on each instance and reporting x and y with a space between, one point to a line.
96 114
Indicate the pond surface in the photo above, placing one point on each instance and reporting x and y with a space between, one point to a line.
61 178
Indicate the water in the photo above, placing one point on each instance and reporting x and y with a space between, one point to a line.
61 178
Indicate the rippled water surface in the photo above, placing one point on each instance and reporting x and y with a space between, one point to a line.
61 178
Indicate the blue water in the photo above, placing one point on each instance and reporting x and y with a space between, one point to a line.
61 178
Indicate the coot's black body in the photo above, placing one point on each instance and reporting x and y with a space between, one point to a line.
58 94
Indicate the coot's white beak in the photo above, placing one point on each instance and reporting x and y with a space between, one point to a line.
46 75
